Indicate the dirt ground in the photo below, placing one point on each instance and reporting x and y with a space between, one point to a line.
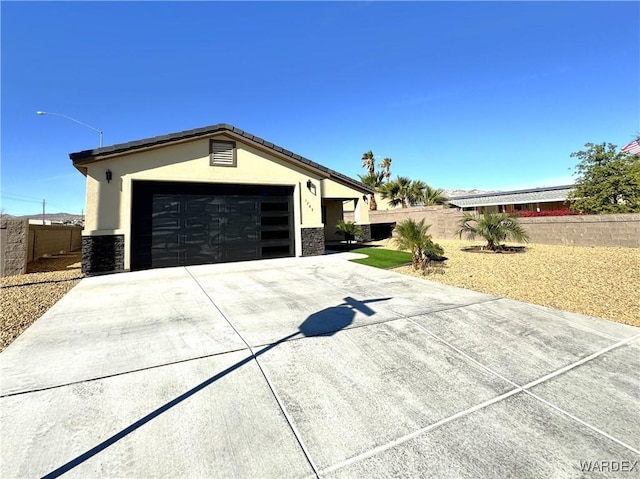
595 281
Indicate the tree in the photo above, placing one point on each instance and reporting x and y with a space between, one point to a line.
413 236
374 180
415 192
608 182
385 164
369 162
349 229
495 228
396 191
433 196
404 191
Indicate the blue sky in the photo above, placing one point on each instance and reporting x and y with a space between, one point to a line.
488 95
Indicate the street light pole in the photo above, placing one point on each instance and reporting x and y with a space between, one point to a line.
74 120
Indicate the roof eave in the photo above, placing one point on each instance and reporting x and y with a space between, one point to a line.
82 158
509 202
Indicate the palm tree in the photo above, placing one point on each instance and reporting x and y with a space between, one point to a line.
385 164
495 228
415 192
374 180
413 236
369 162
396 191
349 229
433 196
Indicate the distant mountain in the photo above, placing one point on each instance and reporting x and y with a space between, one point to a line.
56 217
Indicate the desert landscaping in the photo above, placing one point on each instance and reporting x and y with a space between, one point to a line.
594 281
26 297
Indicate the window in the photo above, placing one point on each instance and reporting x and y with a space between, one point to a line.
222 153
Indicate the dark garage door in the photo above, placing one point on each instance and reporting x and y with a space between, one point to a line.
177 224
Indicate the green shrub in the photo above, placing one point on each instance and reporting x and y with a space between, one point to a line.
495 228
413 236
349 229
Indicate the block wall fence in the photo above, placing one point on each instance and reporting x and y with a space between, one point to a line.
14 240
580 230
21 243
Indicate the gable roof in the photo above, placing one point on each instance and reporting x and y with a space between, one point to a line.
88 156
534 195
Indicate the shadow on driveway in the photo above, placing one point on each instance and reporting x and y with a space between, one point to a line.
326 322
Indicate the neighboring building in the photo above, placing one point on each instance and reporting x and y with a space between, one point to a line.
535 199
208 195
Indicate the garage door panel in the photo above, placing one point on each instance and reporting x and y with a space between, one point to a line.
178 224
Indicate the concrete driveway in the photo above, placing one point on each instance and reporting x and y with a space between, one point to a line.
305 367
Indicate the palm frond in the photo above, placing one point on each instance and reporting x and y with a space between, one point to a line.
495 228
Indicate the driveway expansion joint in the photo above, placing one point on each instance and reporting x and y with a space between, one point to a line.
107 376
418 432
526 388
277 398
517 390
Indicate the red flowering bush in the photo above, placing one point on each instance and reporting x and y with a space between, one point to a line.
531 214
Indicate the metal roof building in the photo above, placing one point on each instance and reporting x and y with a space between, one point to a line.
531 199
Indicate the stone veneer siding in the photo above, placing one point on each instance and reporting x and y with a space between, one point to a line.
102 254
366 233
312 241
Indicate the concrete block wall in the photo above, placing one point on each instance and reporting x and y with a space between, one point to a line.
350 216
14 239
588 230
444 221
53 239
583 230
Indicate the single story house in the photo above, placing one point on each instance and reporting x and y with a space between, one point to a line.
208 195
535 199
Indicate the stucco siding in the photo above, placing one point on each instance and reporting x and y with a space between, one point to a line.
109 204
333 210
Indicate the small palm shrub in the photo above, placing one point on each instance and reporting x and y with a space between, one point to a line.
495 228
348 229
413 236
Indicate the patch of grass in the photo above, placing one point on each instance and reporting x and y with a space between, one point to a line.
382 258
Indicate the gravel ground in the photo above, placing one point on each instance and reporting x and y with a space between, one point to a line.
595 281
28 296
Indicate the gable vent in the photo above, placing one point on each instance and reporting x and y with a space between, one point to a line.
222 153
